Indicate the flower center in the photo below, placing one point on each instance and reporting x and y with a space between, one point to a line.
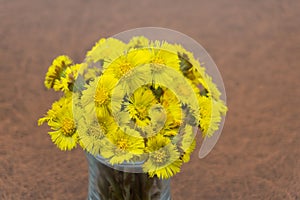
158 60
96 131
159 156
101 96
157 64
68 127
142 112
122 144
125 68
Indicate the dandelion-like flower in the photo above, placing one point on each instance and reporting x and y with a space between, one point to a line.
97 96
125 69
64 129
123 146
163 160
138 106
56 71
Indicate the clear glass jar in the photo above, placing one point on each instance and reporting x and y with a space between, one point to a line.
122 182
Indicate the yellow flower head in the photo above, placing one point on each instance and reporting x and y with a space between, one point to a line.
57 70
97 96
211 112
210 87
123 67
92 132
56 108
64 133
189 66
138 42
164 54
67 81
162 57
106 50
139 104
187 142
163 160
173 108
123 146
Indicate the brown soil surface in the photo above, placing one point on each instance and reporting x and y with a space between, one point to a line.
256 45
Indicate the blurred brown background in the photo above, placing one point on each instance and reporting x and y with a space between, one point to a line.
256 45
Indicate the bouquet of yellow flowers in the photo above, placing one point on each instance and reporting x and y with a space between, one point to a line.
136 102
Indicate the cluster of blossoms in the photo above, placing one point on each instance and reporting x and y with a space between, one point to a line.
139 101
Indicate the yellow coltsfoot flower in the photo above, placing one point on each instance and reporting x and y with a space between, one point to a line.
138 43
68 79
163 53
97 97
64 127
93 131
138 106
106 50
128 69
123 145
56 108
173 108
57 70
163 160
211 112
187 142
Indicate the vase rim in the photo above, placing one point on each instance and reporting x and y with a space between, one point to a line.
132 167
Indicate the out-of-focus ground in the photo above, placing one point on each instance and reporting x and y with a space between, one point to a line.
256 45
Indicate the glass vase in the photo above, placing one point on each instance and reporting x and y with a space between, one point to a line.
122 182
